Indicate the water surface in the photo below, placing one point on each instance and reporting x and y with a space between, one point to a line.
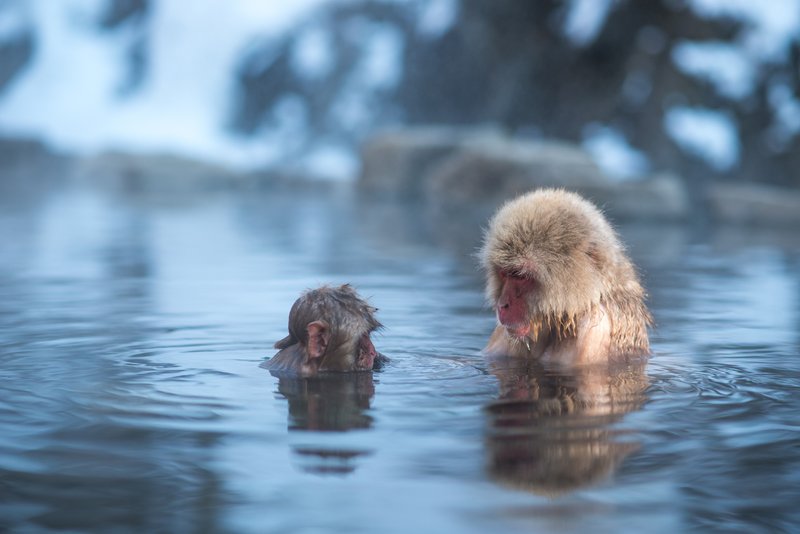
131 397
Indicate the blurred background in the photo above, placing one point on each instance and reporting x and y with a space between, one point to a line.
174 173
704 88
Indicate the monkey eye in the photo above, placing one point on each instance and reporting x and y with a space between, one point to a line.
515 275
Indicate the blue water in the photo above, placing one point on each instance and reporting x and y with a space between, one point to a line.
131 398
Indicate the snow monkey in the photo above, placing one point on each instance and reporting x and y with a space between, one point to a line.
329 330
560 282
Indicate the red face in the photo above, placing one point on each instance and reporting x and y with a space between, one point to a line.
512 305
366 353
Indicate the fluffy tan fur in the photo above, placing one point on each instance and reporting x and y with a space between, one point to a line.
582 272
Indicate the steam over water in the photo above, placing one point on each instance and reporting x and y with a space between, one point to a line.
131 399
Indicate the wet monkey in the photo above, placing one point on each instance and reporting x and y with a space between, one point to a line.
329 330
561 283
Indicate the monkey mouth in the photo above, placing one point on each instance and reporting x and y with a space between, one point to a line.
518 330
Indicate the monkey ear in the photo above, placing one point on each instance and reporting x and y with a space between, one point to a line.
319 333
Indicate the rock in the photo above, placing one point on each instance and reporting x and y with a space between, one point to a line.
20 153
503 168
394 164
490 173
160 174
28 165
757 205
662 196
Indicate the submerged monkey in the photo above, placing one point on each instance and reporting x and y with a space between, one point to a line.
561 284
329 330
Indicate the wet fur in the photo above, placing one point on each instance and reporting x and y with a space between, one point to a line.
589 303
348 316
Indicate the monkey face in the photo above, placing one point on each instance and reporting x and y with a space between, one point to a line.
349 351
512 305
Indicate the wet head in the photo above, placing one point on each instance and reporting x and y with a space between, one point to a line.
330 330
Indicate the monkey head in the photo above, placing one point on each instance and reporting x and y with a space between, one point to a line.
550 258
329 330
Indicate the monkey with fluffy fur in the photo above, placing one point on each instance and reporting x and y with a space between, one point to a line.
562 286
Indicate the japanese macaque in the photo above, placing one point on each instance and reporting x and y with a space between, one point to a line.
560 282
329 330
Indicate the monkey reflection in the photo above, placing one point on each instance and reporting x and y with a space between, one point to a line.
330 402
551 430
322 461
